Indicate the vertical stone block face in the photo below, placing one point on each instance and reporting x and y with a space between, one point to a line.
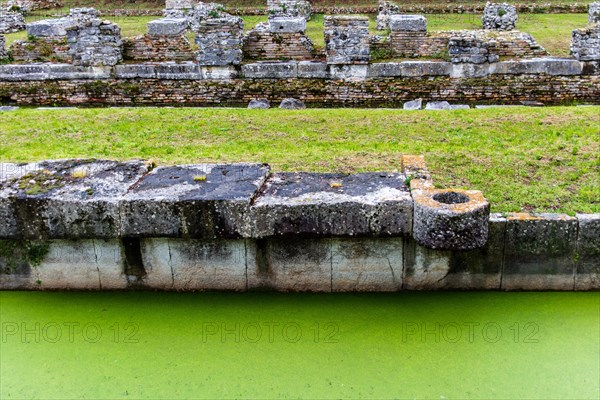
540 252
585 43
290 265
385 10
67 199
287 24
502 17
587 276
367 265
180 4
220 41
408 23
347 40
594 13
81 265
95 42
181 264
424 269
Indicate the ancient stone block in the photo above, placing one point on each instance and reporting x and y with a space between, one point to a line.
409 68
259 104
347 39
540 252
408 23
385 10
413 104
286 24
132 71
270 70
168 26
348 71
290 265
473 50
374 204
292 104
312 70
72 72
50 27
548 66
221 72
499 16
3 53
437 105
262 44
68 199
184 71
367 265
187 264
201 201
587 275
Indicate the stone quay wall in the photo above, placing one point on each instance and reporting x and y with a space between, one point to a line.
83 225
551 81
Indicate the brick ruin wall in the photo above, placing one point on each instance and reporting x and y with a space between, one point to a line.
158 48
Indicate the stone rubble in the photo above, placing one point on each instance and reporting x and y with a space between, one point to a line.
502 17
347 39
95 42
11 21
585 43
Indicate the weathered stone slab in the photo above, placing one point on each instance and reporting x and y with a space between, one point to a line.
219 72
26 72
587 275
184 71
187 264
259 104
311 69
540 252
270 70
133 71
69 72
373 204
466 70
67 199
50 27
549 66
292 104
290 265
410 69
200 201
348 72
424 269
287 24
168 26
367 265
408 23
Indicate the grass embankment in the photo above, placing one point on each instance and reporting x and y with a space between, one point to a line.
553 31
523 159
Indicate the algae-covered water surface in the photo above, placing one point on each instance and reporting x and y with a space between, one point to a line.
265 345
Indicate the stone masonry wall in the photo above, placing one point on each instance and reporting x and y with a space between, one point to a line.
95 42
262 44
11 21
347 39
158 48
220 41
594 13
513 44
289 8
501 17
3 52
585 43
45 49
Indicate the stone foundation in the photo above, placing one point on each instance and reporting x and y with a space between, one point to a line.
95 42
11 21
262 44
220 41
44 49
585 44
83 225
347 39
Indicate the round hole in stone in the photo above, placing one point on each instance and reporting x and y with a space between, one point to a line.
451 198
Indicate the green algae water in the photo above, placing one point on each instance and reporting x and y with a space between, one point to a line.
264 345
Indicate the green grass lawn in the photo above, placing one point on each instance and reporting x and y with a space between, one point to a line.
530 159
553 31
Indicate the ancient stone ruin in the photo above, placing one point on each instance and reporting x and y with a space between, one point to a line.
384 10
502 17
594 13
282 38
289 8
165 41
95 42
3 52
470 49
585 43
347 39
11 20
